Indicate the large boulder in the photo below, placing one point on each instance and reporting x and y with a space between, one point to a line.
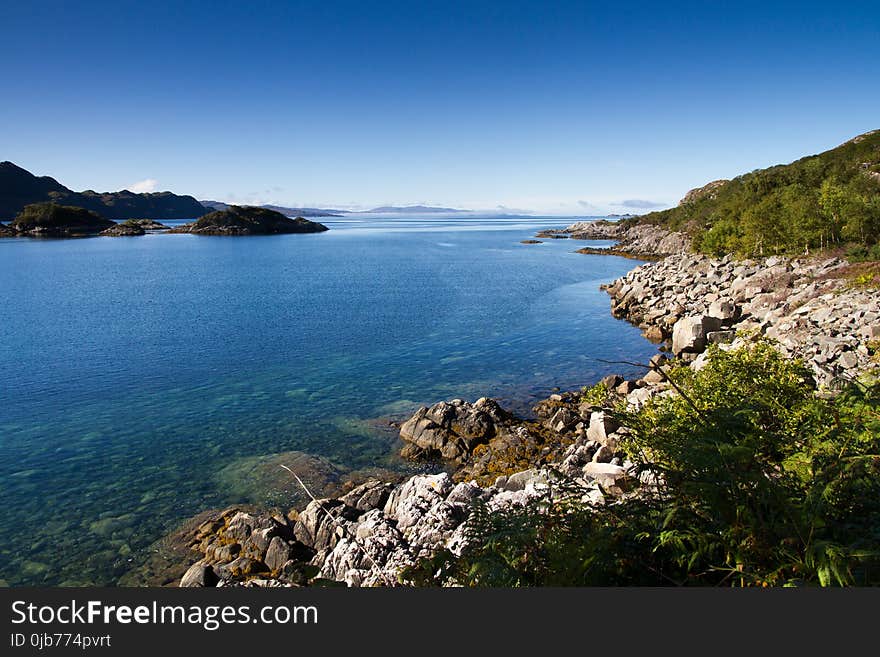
452 429
602 425
323 522
689 333
372 494
613 478
199 574
724 310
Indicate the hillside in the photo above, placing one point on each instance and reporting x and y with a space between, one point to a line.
19 187
819 201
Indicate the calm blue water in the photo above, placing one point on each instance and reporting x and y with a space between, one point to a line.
142 378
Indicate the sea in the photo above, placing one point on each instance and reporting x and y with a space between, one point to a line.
146 379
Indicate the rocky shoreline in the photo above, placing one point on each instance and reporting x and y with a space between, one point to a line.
639 241
808 306
372 534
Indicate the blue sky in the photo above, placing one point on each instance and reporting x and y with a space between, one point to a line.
552 107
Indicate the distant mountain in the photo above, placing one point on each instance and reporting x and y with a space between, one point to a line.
19 187
424 209
290 212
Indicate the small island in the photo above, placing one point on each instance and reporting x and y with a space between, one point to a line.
248 220
53 220
133 228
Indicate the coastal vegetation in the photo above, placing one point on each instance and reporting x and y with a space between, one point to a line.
830 200
757 480
51 219
249 220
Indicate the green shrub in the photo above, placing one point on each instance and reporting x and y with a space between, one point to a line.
596 395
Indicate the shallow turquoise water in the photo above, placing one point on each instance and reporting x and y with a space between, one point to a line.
134 370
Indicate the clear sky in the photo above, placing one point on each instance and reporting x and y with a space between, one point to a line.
553 107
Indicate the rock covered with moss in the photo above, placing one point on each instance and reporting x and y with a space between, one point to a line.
249 220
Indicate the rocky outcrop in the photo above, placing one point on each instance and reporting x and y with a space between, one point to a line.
599 229
247 220
125 229
806 305
53 220
709 190
147 224
371 535
651 240
452 430
631 239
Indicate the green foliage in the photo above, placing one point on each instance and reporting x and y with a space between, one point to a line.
760 482
52 214
863 253
595 395
816 202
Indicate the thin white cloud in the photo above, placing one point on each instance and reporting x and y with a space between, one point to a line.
143 186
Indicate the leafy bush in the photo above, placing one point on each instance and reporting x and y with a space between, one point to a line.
595 395
760 482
